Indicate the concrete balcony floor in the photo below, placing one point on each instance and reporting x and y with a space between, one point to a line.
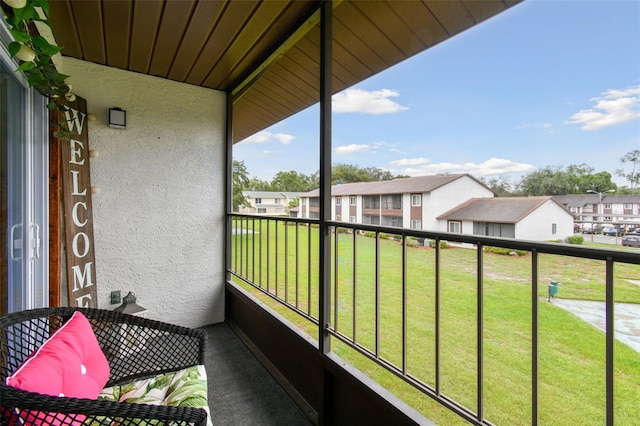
241 390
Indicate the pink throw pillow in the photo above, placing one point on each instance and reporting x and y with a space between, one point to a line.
70 363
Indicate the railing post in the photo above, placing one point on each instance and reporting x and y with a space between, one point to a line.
326 59
480 328
535 317
228 196
610 340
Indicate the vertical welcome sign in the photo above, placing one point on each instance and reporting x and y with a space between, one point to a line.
77 206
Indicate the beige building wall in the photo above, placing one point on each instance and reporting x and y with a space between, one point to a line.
159 213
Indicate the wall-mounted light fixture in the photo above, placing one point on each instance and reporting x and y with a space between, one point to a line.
117 118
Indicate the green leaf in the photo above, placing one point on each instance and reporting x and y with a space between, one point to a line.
14 47
25 66
20 36
51 106
61 78
61 135
49 72
51 49
35 79
26 13
45 46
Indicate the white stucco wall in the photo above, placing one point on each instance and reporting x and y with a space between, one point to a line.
537 226
159 215
447 197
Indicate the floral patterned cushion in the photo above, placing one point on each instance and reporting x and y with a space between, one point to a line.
183 388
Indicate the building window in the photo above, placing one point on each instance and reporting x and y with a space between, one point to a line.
416 224
391 202
276 201
352 200
258 200
338 218
338 201
303 201
416 200
262 210
352 219
554 228
455 227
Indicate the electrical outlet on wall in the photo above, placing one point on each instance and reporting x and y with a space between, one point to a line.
116 297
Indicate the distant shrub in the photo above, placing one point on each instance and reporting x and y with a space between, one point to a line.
575 239
383 235
443 244
505 251
370 234
413 242
397 237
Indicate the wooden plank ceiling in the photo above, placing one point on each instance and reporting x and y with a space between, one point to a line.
219 44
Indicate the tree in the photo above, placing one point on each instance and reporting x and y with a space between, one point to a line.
240 183
501 185
598 182
348 173
576 179
546 181
292 181
633 176
256 184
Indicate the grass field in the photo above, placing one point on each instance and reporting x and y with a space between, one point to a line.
571 352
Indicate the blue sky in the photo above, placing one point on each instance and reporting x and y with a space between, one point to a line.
546 83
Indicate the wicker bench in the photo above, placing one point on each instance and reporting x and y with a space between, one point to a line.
136 349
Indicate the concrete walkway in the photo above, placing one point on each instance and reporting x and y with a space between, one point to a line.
627 315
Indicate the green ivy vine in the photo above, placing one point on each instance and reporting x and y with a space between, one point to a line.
35 53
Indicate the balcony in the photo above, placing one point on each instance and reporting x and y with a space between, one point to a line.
389 329
241 391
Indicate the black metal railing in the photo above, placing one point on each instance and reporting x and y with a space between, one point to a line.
278 258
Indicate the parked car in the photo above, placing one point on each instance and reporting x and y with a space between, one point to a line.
631 241
591 228
613 230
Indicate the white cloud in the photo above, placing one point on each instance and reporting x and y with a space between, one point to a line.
284 138
612 108
547 127
411 161
350 149
492 166
375 102
264 137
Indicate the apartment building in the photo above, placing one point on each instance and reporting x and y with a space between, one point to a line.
602 208
446 203
406 203
268 202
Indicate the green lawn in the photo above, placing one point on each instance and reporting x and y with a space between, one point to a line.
571 352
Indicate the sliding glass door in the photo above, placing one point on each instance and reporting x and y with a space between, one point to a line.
23 193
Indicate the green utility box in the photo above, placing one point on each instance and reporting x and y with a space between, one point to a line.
553 289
